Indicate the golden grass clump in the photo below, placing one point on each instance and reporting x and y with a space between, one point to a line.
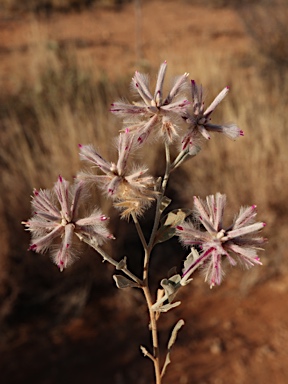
42 126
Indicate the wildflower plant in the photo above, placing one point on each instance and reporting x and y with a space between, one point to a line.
177 121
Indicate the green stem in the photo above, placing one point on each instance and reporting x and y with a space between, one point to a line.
110 260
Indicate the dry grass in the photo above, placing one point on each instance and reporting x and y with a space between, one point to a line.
41 127
266 23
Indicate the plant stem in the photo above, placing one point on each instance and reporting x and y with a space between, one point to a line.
148 249
116 264
153 326
139 230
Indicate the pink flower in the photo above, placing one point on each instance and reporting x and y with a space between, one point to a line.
216 242
131 189
199 120
55 222
154 111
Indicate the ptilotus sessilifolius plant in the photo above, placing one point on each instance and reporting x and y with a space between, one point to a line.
179 121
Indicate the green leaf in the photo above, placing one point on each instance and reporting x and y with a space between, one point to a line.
171 286
167 225
122 282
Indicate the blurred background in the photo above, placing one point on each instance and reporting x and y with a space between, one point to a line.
62 62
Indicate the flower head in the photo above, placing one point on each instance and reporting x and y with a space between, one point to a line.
199 120
131 189
154 111
56 218
216 242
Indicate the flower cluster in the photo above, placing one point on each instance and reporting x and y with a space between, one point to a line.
132 191
55 217
165 116
154 112
217 242
199 120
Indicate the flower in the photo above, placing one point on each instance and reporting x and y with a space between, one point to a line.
131 190
154 110
199 120
56 216
217 242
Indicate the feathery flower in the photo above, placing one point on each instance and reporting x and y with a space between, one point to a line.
131 190
217 242
199 120
154 111
56 217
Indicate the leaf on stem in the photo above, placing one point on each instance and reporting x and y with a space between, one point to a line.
165 201
171 286
167 225
167 307
122 282
171 342
122 263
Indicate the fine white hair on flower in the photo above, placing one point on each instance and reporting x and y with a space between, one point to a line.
199 119
56 223
120 181
239 242
154 113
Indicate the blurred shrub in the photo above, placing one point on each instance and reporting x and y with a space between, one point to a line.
47 6
266 22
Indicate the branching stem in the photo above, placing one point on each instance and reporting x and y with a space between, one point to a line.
110 260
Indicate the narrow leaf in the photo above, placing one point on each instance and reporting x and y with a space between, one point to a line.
167 307
122 282
171 342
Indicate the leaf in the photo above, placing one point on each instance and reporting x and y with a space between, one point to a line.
171 286
167 225
167 307
188 266
122 282
165 201
122 263
171 342
193 256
